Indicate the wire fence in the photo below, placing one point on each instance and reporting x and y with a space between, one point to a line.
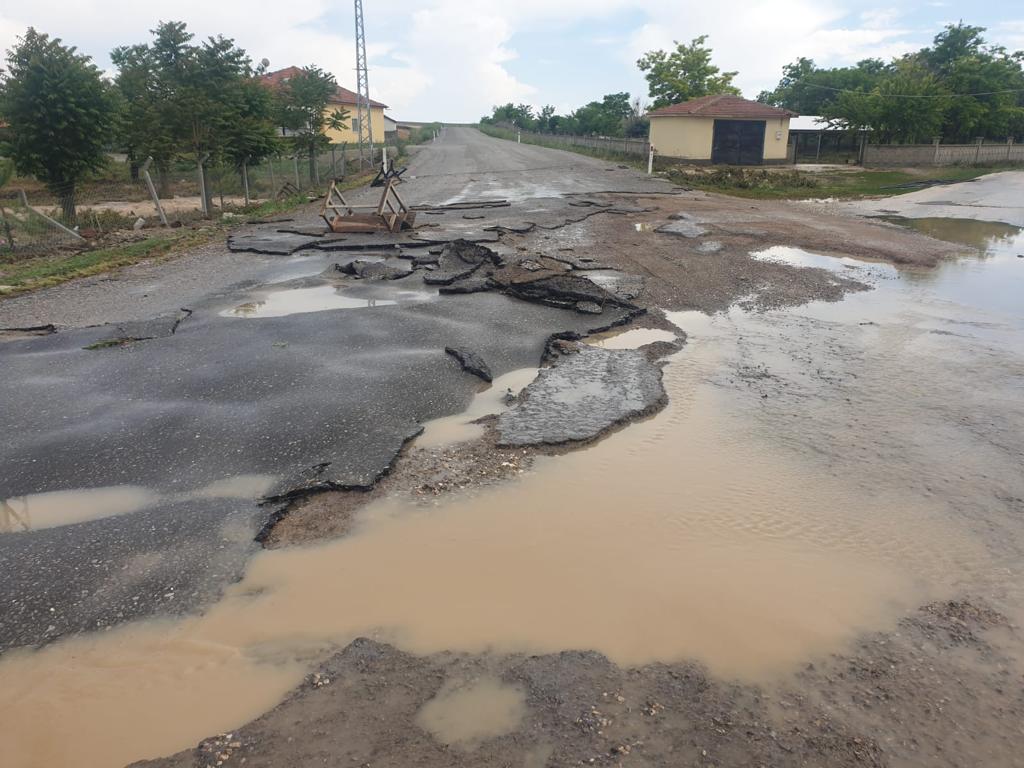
123 200
25 228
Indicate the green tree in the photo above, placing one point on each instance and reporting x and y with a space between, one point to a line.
60 114
146 127
6 174
302 102
683 74
907 107
807 90
338 120
198 100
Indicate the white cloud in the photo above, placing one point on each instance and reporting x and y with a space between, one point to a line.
454 59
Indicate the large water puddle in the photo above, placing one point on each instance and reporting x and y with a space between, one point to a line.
321 298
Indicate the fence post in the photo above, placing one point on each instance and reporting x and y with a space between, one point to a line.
245 182
384 158
650 161
1009 148
152 191
57 224
334 164
273 184
295 158
977 152
204 202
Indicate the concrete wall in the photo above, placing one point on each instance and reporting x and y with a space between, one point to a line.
350 136
942 154
690 138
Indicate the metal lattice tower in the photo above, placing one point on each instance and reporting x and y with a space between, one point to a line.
363 90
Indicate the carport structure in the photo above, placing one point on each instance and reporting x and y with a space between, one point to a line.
721 129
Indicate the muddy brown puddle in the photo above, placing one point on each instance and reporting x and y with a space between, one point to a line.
747 527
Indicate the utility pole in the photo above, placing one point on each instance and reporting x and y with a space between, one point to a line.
363 89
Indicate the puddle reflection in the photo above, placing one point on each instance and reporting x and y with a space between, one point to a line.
321 298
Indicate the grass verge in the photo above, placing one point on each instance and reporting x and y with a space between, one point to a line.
23 274
790 183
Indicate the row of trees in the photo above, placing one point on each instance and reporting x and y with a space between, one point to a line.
172 98
617 114
686 72
959 88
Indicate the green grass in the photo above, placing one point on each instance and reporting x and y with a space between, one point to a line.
20 274
42 271
790 183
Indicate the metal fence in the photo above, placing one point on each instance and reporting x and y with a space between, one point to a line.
27 228
34 223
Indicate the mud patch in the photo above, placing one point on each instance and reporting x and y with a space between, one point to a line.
466 713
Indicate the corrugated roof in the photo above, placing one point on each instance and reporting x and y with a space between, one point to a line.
722 105
341 95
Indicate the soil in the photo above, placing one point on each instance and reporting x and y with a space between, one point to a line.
897 699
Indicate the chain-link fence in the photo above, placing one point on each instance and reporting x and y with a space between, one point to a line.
26 228
122 197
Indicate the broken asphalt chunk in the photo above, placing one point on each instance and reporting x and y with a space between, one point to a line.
471 362
587 392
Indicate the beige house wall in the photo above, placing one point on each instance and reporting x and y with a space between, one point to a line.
349 136
776 138
690 138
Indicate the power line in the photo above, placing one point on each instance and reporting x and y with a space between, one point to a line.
911 95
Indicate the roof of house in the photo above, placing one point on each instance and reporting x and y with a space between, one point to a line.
721 105
341 95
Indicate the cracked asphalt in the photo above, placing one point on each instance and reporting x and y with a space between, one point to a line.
309 400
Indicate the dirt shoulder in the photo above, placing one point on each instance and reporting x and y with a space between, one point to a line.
900 699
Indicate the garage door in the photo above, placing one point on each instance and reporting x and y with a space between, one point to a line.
738 142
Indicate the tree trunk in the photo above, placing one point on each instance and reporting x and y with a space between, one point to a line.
312 165
67 205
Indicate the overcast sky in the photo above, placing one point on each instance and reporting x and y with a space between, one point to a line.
451 60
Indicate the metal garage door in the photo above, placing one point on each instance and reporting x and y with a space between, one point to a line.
738 142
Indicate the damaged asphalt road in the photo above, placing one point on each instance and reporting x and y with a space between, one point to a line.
180 402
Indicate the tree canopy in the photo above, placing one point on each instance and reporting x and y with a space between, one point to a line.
684 73
959 88
59 111
615 115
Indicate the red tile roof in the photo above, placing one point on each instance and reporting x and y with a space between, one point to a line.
722 105
341 95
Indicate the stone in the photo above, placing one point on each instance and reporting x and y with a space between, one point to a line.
471 362
583 395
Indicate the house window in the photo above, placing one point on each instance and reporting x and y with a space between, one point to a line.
355 125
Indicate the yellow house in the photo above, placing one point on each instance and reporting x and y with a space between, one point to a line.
721 129
343 99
